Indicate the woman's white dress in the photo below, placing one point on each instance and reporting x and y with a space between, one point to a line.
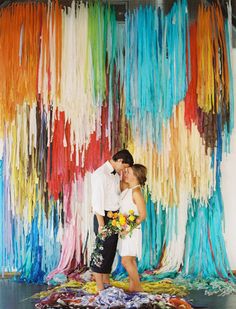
130 245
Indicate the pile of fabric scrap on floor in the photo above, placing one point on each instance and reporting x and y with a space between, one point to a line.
211 286
81 293
78 290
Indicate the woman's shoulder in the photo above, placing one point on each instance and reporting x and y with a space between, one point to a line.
137 190
137 193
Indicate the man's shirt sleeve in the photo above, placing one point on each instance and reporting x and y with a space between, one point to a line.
98 194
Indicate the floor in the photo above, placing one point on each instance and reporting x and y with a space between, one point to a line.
15 295
200 300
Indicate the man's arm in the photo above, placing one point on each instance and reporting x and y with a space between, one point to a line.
100 222
98 199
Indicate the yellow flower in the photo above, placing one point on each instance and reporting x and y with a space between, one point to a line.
123 221
113 222
110 214
131 211
131 218
115 215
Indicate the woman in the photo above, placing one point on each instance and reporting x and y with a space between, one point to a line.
131 199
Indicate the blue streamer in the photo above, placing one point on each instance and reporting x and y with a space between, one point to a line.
42 248
205 254
155 76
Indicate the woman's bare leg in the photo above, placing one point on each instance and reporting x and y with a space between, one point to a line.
130 265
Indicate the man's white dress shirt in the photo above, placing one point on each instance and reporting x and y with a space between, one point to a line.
105 189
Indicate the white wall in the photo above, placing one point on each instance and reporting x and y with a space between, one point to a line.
228 184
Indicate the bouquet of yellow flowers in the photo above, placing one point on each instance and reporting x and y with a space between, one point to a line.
122 224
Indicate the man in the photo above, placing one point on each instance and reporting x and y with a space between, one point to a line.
105 197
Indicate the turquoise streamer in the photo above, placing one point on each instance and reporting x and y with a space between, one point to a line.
153 231
205 253
155 75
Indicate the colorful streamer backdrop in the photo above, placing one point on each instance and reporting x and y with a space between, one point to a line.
76 86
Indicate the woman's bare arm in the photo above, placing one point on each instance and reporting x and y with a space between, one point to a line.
140 203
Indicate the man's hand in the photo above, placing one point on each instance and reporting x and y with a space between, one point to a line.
100 222
102 231
100 228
